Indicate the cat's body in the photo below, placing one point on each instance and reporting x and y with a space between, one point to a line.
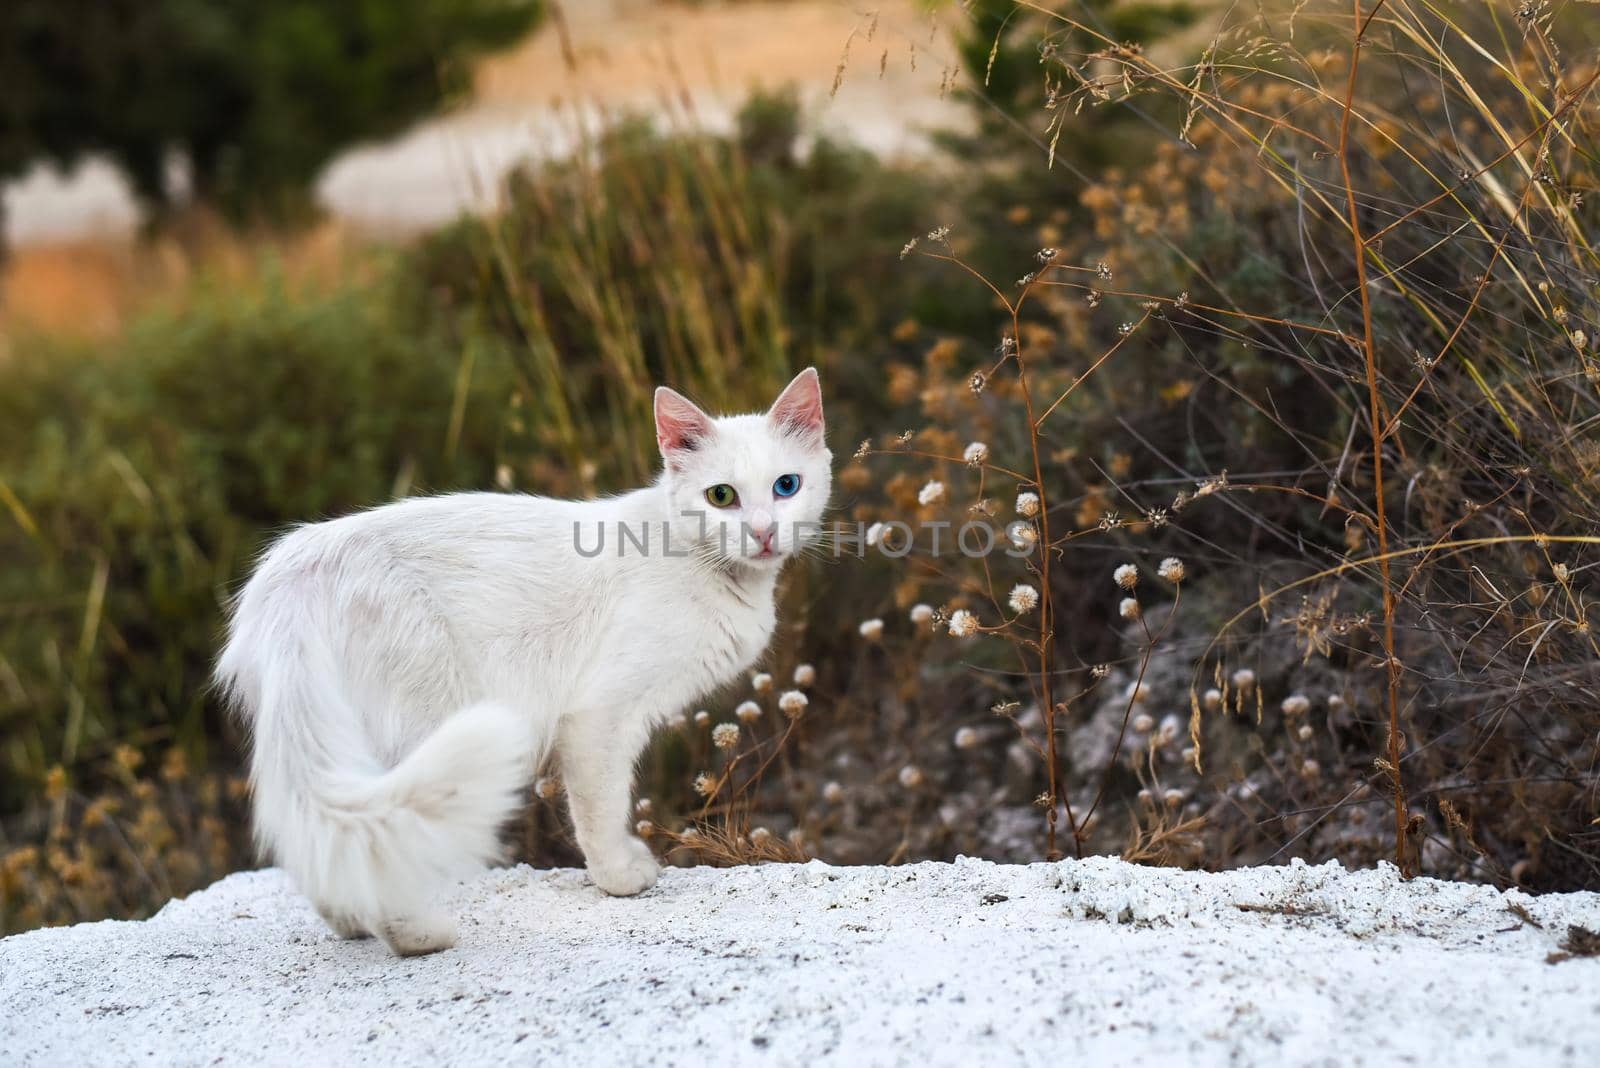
405 670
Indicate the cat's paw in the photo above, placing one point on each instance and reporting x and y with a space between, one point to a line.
343 926
628 871
412 936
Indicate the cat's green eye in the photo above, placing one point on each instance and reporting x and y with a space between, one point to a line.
722 495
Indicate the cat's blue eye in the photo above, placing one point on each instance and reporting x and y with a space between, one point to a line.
786 486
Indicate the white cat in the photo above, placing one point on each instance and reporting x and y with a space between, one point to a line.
405 670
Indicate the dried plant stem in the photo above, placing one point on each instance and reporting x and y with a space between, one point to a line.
1391 662
1046 608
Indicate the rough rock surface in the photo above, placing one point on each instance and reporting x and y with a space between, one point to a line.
1094 961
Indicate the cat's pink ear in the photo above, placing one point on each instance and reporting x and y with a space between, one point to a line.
798 409
680 425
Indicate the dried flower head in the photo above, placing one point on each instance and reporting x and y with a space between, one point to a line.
705 786
761 682
702 718
932 493
921 614
1212 700
1296 704
748 711
1168 731
1022 535
793 702
977 382
760 836
871 629
644 828
963 624
1244 680
910 777
976 453
832 793
805 675
1024 598
966 738
1128 609
547 787
1172 570
1028 504
1144 723
725 735
643 806
1126 576
1173 798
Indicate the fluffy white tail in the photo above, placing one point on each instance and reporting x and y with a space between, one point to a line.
365 843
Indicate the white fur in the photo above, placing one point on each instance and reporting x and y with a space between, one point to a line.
405 670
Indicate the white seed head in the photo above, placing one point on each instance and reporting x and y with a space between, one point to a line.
760 836
1172 569
1311 769
832 793
702 718
747 712
1296 704
761 682
1136 692
1170 726
871 629
910 776
704 785
1244 680
643 806
963 624
1028 504
1129 608
1335 702
793 702
547 788
1173 798
1022 536
1212 700
921 614
805 675
1024 598
678 722
1305 732
976 453
1146 797
1144 723
725 735
644 828
966 738
1126 576
932 493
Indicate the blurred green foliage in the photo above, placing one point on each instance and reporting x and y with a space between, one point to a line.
253 99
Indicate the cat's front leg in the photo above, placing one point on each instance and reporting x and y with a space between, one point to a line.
597 754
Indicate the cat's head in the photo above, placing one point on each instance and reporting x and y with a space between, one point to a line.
753 487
